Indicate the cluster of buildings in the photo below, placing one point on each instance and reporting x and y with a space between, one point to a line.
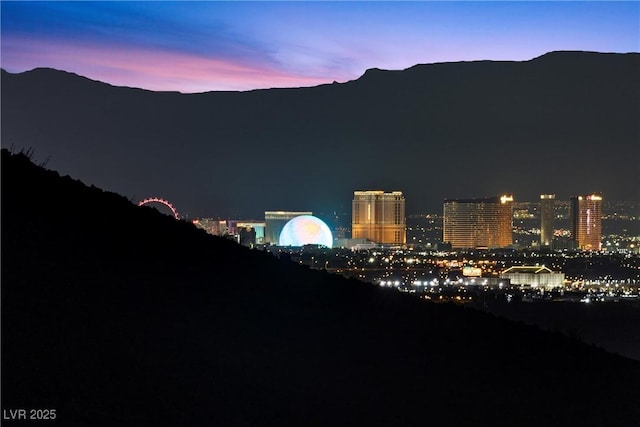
383 254
379 219
488 222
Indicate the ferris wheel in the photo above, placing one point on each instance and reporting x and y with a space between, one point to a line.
162 202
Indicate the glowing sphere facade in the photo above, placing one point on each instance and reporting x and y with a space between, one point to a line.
306 230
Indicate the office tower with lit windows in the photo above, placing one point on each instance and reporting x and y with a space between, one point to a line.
275 222
586 221
547 213
478 223
379 217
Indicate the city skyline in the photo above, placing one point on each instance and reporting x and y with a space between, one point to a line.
205 46
289 214
379 216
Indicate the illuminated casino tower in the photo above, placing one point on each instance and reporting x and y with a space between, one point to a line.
379 217
547 205
586 221
478 223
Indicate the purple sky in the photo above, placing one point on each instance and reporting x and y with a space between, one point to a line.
203 46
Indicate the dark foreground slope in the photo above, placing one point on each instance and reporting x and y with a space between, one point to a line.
118 315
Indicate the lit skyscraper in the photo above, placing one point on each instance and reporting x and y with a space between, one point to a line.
379 217
474 223
547 213
586 221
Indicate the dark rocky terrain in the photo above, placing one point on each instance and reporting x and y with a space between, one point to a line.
118 315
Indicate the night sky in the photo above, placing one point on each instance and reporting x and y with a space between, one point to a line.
206 46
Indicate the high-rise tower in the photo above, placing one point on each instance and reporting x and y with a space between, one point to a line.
547 213
473 223
379 217
586 221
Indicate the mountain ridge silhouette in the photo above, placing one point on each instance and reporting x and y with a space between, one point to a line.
563 123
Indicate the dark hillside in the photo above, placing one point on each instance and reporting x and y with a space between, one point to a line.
116 315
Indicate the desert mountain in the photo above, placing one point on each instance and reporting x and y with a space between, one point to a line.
564 123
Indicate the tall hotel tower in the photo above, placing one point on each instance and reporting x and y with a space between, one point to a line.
379 217
547 205
586 221
477 223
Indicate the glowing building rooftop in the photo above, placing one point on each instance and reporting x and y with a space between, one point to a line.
529 269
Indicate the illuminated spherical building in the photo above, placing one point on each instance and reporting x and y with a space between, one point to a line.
306 230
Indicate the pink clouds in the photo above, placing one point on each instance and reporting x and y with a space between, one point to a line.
148 69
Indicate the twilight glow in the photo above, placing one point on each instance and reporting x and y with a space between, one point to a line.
306 230
203 46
